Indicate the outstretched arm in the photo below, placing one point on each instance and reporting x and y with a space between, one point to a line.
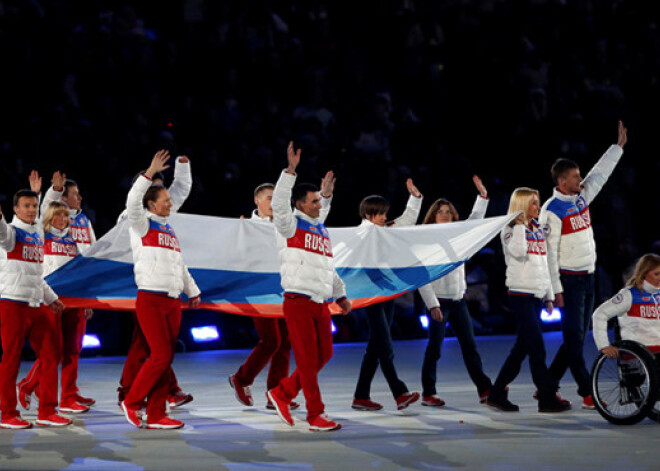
327 191
481 203
35 181
182 184
135 209
410 215
600 173
293 157
283 218
55 192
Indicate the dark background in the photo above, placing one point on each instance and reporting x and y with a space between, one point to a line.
376 91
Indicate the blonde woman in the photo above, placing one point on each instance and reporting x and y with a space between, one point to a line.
60 248
528 281
637 306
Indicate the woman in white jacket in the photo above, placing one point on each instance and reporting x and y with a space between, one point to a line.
60 248
528 281
445 300
161 276
638 308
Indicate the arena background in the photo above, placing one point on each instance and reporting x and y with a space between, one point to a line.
376 91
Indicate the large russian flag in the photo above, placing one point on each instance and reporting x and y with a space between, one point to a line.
235 262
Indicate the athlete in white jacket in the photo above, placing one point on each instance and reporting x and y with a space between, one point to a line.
445 300
161 276
138 351
637 307
310 283
566 221
529 285
379 316
59 249
23 313
274 345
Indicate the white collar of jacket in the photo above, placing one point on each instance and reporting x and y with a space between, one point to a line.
564 197
157 218
74 212
59 233
16 222
650 288
300 214
256 217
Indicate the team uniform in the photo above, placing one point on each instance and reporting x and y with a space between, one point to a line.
528 282
448 293
638 312
60 248
310 282
24 314
160 276
138 351
380 349
273 345
572 262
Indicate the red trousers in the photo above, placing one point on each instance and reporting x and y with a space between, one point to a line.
73 331
159 317
138 352
273 346
41 327
311 338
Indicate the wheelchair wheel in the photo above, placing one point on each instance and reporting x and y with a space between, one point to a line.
625 389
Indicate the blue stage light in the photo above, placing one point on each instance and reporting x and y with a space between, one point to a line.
207 333
424 320
91 341
333 327
555 316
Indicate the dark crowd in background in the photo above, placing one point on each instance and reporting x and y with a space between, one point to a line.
376 91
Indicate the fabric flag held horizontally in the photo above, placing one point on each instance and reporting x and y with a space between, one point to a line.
236 265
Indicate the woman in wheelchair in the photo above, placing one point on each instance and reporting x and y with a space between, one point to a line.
626 376
637 306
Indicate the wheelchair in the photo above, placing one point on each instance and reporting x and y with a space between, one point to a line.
627 389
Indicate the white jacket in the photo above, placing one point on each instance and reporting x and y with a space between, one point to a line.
179 189
452 286
526 261
306 264
80 227
158 264
638 313
567 222
59 248
21 269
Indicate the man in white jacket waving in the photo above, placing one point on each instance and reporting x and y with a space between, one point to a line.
309 281
572 257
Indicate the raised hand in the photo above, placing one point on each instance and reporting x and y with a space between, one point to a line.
35 181
293 158
328 184
58 180
412 189
158 163
480 186
623 135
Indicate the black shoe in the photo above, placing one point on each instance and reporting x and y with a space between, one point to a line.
502 404
554 406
